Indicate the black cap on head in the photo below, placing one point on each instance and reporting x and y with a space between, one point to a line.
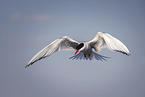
80 46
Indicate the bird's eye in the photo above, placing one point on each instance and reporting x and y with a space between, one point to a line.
80 46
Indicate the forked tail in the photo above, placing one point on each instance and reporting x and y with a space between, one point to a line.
93 55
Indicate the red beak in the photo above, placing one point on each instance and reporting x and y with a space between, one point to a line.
77 51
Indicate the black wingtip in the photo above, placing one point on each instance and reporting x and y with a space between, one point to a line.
128 54
27 65
34 61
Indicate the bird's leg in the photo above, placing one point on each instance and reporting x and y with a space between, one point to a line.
84 55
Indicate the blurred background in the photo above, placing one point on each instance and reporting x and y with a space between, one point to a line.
26 26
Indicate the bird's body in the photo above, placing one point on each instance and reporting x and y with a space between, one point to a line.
84 50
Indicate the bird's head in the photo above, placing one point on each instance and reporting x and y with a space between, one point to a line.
79 47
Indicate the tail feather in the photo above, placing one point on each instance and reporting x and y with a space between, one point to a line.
94 55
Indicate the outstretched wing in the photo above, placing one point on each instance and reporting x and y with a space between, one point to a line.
65 43
103 40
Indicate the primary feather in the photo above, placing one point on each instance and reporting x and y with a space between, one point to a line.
103 40
65 43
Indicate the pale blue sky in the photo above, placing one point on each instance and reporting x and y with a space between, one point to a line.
26 26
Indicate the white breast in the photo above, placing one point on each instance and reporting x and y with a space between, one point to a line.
86 49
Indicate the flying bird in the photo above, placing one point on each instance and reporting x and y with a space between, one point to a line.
84 50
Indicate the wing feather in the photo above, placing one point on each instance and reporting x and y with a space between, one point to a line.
63 43
103 40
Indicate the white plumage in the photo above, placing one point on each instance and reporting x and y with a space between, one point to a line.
101 40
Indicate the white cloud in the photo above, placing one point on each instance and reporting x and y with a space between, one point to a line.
41 17
37 17
15 16
31 17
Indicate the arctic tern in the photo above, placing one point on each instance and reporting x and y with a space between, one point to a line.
84 50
